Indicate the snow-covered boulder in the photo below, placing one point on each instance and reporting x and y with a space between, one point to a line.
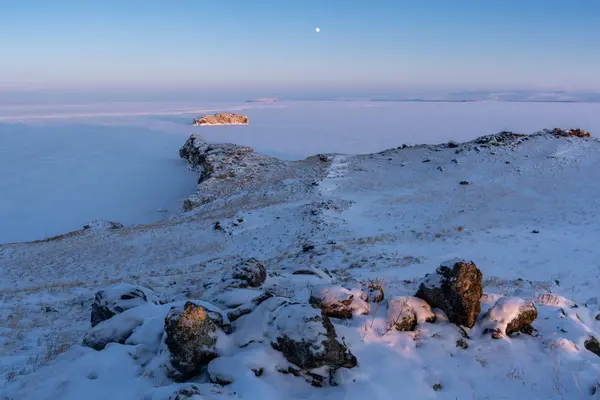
456 289
191 337
404 312
338 302
113 330
509 315
306 337
222 119
250 273
117 299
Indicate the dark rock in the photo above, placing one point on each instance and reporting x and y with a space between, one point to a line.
535 231
426 160
306 337
462 343
308 247
251 272
571 132
464 183
117 299
440 169
191 338
506 162
454 161
592 345
456 289
452 145
338 302
103 225
509 315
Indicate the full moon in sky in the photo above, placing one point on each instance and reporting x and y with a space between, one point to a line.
318 30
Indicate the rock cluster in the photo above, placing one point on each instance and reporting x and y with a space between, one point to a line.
571 132
221 119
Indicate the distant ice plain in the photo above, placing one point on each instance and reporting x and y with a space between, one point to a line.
63 166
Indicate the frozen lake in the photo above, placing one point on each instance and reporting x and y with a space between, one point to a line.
64 166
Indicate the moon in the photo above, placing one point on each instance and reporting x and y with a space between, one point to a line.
318 30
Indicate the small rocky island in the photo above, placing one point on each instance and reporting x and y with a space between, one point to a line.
222 119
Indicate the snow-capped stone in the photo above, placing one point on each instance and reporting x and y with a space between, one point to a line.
117 299
372 292
509 315
306 337
338 302
250 272
405 312
191 336
113 330
222 119
456 289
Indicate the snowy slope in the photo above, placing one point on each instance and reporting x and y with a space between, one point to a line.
392 216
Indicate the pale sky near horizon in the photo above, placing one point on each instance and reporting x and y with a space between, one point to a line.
242 44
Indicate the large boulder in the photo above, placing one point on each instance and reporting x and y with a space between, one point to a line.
117 299
222 119
114 330
509 315
250 273
338 302
191 337
404 312
306 337
456 289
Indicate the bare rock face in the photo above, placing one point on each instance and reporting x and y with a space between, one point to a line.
456 289
222 119
571 132
117 299
338 302
191 338
250 273
509 315
306 337
404 312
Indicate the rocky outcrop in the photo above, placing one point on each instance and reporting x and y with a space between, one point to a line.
306 338
338 302
226 169
509 315
191 337
456 289
404 312
250 273
100 225
117 299
571 132
222 119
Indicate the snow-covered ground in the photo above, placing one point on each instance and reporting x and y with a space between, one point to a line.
62 166
528 219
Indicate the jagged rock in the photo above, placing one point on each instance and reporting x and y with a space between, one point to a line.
191 336
456 289
222 119
117 299
338 302
509 315
250 272
226 169
306 337
571 132
464 183
372 292
404 312
100 225
592 345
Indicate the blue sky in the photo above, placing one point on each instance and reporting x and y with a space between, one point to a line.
363 45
